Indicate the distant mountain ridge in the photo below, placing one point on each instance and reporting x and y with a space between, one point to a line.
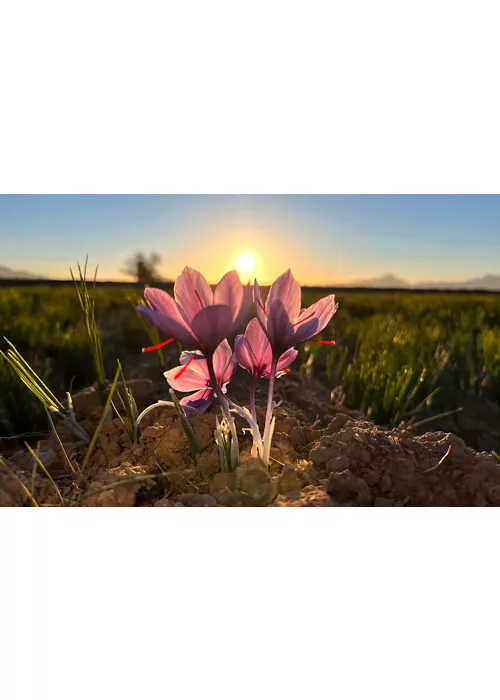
385 282
9 274
389 281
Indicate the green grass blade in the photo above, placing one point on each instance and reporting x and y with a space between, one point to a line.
42 466
88 305
186 425
23 485
129 406
433 418
60 443
102 420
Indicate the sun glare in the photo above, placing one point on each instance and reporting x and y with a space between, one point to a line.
245 263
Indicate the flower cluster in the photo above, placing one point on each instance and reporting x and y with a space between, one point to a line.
202 320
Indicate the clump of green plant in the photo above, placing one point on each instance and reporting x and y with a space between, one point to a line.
129 408
78 471
41 391
87 301
388 375
20 410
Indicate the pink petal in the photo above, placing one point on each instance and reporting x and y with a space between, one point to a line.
198 364
259 342
259 307
162 302
170 327
224 363
189 380
229 292
286 359
211 325
243 354
279 328
192 293
316 317
244 309
228 373
287 290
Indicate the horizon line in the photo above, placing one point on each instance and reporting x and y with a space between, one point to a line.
45 281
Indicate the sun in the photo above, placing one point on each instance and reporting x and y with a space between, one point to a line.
245 263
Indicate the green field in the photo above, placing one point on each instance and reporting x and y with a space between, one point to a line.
394 353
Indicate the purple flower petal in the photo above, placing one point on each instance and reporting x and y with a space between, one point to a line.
198 364
170 327
244 309
252 350
260 311
279 328
189 380
282 319
162 302
211 325
198 401
286 359
229 292
243 353
224 363
314 319
286 290
259 342
192 293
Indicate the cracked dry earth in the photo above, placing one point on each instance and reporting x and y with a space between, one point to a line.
322 455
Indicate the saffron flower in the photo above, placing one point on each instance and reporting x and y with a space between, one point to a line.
283 320
253 352
286 324
193 375
198 318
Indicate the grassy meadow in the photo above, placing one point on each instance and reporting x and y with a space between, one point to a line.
395 352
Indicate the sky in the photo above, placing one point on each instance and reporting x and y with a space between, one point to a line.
325 239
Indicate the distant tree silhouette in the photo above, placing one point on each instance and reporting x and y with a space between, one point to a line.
143 268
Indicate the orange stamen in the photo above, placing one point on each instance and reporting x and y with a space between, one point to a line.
157 347
324 342
183 369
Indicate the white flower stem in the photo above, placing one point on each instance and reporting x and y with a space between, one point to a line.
253 382
258 445
158 404
224 404
269 412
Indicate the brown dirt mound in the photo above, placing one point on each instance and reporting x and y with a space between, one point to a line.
322 455
367 465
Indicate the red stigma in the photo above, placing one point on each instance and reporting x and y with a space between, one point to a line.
304 319
157 347
199 298
181 371
261 306
325 342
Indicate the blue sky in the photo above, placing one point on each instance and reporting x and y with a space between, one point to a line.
326 239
